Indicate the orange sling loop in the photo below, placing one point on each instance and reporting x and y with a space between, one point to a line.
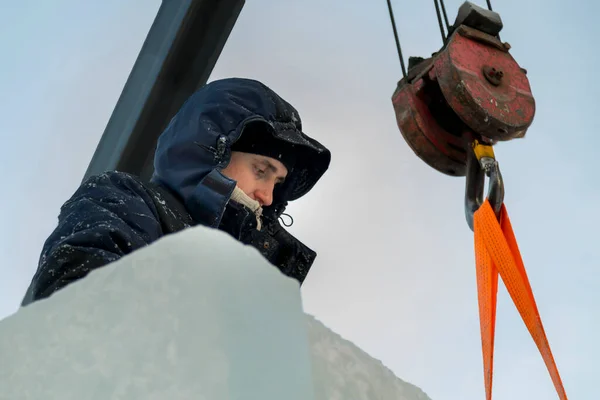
497 252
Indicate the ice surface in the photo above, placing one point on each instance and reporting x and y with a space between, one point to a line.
196 315
341 370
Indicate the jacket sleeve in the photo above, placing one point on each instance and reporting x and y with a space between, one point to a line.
109 216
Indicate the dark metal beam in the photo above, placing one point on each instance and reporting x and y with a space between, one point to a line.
177 58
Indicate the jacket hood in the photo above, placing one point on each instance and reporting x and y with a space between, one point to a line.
196 146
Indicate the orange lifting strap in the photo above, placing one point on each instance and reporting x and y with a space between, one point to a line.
497 252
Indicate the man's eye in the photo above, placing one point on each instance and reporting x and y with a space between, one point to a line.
259 171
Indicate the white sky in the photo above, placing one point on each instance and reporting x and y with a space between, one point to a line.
395 272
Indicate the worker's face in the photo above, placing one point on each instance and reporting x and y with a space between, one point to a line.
256 175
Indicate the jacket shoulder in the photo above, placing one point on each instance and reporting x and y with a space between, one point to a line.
166 208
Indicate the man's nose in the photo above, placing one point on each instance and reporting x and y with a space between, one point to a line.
264 196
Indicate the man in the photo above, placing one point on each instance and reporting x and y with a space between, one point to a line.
232 158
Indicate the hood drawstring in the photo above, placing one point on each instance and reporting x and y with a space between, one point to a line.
283 222
240 197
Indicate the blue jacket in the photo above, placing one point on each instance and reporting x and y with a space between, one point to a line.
115 213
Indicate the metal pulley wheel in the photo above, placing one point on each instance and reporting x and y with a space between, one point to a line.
472 89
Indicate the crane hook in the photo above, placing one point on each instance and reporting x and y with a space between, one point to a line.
481 162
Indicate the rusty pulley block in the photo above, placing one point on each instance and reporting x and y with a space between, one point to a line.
470 90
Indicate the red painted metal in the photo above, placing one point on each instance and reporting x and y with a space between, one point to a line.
429 141
447 100
501 112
